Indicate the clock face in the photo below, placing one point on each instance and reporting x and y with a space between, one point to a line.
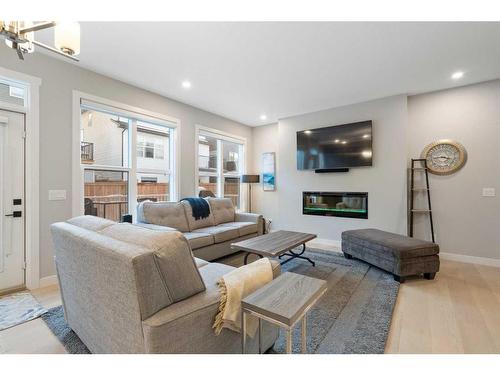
444 157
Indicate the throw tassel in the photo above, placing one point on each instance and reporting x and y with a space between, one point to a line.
218 324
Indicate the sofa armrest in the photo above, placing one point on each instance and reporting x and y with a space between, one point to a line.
253 218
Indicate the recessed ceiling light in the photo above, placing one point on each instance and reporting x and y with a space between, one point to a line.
366 135
337 141
186 84
343 142
307 132
457 75
366 154
263 117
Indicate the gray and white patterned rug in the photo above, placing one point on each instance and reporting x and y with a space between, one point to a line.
353 316
18 308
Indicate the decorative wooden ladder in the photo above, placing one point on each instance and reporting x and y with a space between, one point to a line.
413 189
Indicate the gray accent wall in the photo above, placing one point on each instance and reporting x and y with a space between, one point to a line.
466 223
59 79
385 181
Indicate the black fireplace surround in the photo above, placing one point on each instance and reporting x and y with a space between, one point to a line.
343 204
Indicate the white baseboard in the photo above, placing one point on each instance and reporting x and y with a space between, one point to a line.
48 281
470 259
326 244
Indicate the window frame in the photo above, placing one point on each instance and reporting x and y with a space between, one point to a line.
221 136
135 115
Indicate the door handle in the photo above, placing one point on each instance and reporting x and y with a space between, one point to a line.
15 214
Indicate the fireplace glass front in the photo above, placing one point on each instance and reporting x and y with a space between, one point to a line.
343 204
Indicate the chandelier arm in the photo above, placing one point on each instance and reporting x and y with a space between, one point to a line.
39 44
37 27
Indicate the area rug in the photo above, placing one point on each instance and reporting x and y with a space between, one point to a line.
353 316
18 308
54 318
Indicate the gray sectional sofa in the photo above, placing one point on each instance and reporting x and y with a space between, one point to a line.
210 238
130 289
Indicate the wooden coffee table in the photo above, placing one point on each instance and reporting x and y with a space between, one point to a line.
284 301
276 244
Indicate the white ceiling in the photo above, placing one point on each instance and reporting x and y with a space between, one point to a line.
243 70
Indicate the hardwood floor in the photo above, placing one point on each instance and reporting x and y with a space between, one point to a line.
458 312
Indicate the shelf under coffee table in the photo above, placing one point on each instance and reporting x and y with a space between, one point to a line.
276 244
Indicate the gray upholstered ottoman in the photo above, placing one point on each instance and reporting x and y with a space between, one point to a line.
400 255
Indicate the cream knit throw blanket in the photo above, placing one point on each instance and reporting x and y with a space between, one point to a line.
235 286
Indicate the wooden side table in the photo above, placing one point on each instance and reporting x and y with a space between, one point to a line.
284 301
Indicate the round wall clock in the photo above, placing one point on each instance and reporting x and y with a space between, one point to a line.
444 156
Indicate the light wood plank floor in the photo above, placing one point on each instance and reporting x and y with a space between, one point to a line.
458 312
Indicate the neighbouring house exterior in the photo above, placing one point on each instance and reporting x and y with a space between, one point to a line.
104 142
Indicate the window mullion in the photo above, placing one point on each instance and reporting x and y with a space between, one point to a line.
220 170
173 193
132 181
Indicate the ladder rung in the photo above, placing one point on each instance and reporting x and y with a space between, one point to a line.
420 210
419 169
420 189
418 159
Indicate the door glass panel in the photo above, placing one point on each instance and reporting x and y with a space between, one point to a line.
207 154
104 139
207 186
106 193
12 94
153 187
153 147
232 189
230 157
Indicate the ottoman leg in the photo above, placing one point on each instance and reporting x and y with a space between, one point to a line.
348 256
399 279
430 275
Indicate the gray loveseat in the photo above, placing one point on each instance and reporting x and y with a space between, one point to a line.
210 238
129 289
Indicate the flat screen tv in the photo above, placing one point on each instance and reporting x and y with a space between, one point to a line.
335 147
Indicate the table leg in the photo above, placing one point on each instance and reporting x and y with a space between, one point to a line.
294 255
304 335
243 331
289 341
245 260
260 336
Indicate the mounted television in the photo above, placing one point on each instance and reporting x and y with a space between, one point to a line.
335 147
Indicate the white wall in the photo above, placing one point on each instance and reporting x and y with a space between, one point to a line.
385 181
465 222
59 79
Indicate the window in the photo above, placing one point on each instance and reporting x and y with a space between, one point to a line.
117 174
220 164
12 93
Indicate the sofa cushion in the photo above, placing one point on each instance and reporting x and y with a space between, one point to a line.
92 223
160 228
220 233
197 240
222 209
200 223
244 227
172 255
168 214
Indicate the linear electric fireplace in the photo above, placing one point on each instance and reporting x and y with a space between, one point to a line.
344 204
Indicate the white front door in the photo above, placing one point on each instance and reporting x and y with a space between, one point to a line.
12 261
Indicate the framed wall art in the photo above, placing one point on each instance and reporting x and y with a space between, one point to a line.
269 171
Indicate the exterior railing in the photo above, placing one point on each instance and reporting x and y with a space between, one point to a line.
87 151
